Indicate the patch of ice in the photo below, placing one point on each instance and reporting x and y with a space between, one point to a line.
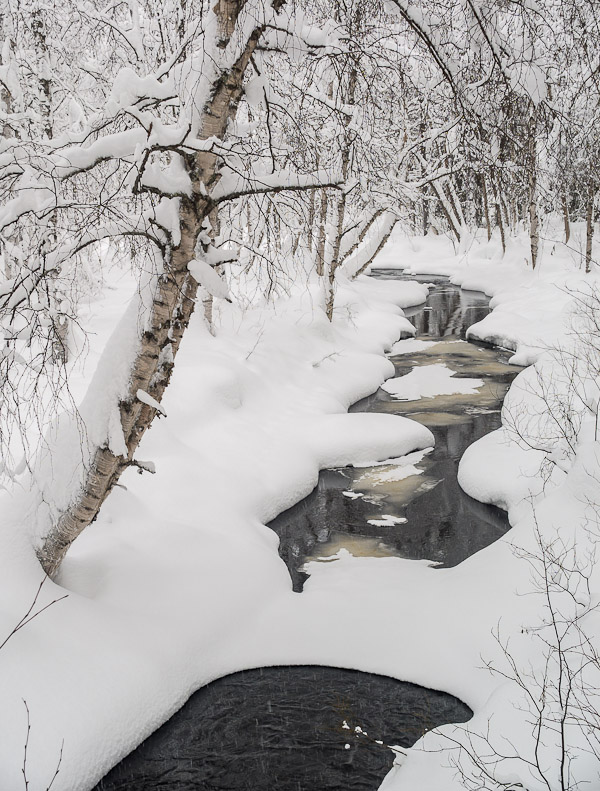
429 381
388 520
410 458
409 346
353 495
395 474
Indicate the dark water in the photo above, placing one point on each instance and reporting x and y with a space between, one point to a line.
443 524
281 729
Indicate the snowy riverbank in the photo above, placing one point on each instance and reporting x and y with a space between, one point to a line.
530 610
179 581
179 563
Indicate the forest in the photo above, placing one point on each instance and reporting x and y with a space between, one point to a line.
199 200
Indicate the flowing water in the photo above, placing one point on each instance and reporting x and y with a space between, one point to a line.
381 511
283 728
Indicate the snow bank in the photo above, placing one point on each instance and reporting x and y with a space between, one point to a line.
180 562
543 467
531 309
179 581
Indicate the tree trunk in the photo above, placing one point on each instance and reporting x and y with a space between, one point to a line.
589 235
486 208
386 235
501 226
425 212
365 229
565 208
340 199
312 212
340 210
447 209
322 234
534 236
499 220
455 203
60 321
533 209
172 305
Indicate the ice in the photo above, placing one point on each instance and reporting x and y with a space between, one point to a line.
387 520
428 381
410 346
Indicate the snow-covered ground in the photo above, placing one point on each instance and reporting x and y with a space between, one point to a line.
179 581
526 604
180 562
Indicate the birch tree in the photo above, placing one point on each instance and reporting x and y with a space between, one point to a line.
158 160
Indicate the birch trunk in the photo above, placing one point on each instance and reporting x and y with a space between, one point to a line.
533 209
172 307
387 232
340 211
486 208
320 263
361 236
499 220
565 208
589 232
340 200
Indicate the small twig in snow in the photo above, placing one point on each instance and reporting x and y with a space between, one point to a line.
28 617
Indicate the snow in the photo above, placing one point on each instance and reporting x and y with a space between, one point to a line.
391 469
179 580
387 520
143 396
410 346
530 308
428 381
353 495
163 573
395 473
206 276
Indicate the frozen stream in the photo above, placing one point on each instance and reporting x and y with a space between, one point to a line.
282 728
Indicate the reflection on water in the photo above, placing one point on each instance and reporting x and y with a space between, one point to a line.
442 523
282 729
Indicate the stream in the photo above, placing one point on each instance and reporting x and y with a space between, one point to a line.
439 522
283 727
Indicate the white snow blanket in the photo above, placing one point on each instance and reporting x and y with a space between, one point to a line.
179 581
